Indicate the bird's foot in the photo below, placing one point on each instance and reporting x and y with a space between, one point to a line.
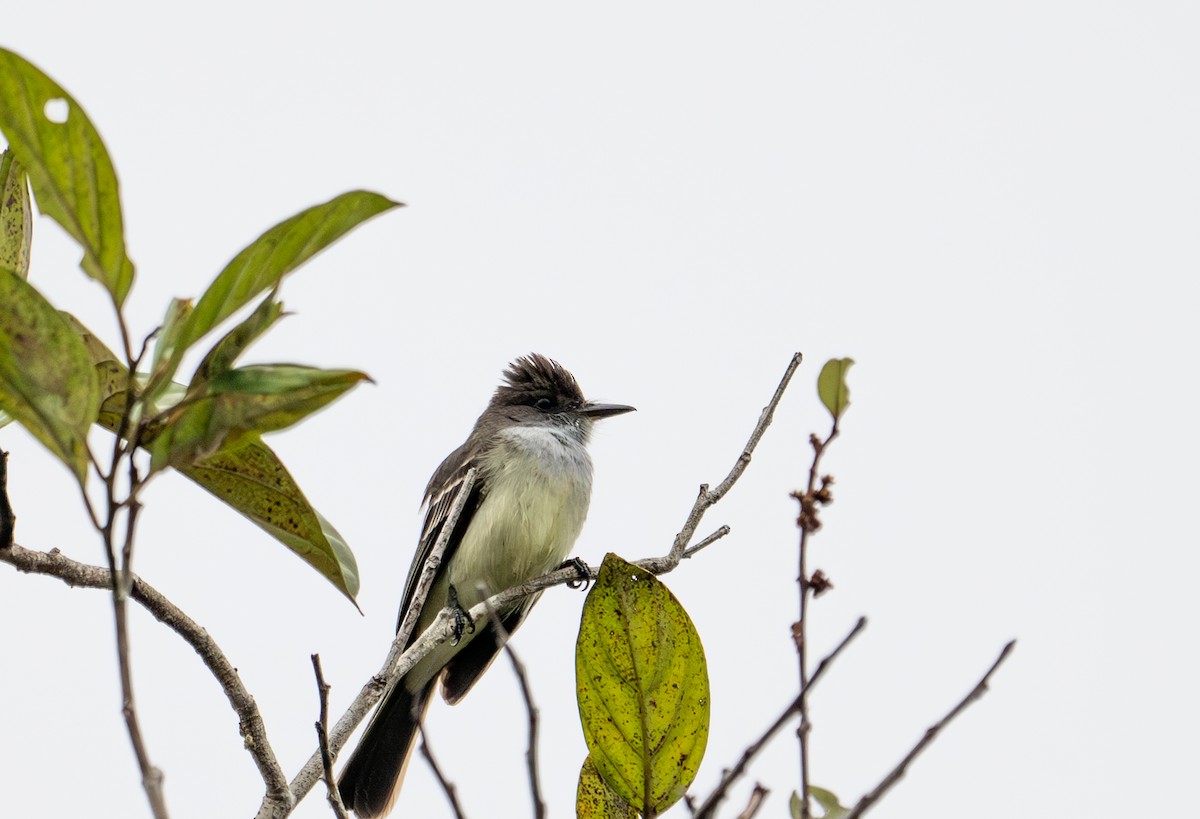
463 623
584 574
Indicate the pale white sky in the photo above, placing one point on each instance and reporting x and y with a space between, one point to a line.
992 207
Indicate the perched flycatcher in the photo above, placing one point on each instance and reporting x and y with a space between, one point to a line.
531 495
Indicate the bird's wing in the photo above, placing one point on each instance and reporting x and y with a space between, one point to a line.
440 495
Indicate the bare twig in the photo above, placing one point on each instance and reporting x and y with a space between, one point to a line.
708 541
708 808
75 574
709 497
757 797
122 578
121 570
531 755
335 798
808 521
447 785
398 661
868 801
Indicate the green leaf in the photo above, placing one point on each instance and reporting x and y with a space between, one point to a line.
16 216
828 802
831 386
249 400
47 382
252 480
642 685
794 806
73 179
278 252
595 800
227 351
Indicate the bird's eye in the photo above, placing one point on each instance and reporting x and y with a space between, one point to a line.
544 403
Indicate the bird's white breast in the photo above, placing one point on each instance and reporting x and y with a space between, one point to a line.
538 487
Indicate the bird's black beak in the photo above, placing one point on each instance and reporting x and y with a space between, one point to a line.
595 411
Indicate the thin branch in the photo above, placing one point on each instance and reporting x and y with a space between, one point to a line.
152 776
757 797
868 801
335 798
531 755
708 541
809 522
709 497
708 808
121 573
399 660
447 785
75 574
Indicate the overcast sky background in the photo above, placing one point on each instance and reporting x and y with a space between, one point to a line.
992 207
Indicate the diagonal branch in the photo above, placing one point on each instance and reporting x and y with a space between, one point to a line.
447 786
868 801
708 498
75 574
708 808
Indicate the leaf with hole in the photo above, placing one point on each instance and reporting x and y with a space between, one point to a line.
69 168
642 687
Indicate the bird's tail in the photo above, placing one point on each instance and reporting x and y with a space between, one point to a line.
371 779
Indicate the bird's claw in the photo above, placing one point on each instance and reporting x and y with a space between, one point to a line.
463 624
583 573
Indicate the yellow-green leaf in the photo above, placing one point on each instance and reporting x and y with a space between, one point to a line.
279 251
595 800
831 386
47 382
16 216
72 176
642 686
253 480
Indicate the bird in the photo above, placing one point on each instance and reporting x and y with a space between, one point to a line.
521 519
